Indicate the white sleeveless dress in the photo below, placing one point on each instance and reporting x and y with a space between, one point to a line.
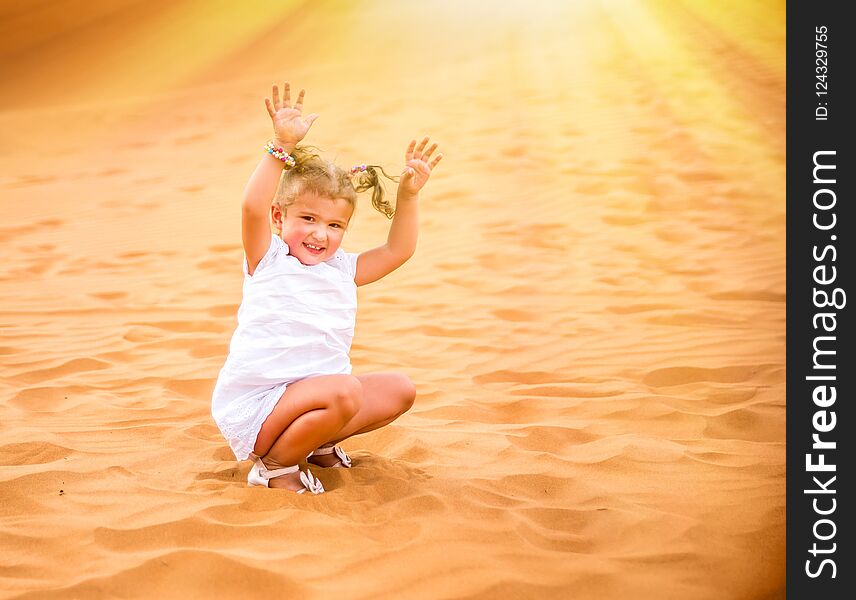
295 321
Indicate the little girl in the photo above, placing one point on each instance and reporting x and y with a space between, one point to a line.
286 391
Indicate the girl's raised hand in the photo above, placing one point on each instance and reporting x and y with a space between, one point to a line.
289 126
418 169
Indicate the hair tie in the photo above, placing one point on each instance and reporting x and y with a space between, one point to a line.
357 169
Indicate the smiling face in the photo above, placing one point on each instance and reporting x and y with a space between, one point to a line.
313 226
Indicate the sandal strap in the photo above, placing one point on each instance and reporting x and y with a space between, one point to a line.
343 457
270 474
261 475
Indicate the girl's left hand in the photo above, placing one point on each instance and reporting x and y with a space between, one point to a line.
418 169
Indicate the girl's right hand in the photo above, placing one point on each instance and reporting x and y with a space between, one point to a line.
289 126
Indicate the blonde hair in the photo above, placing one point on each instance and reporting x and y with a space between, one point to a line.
311 173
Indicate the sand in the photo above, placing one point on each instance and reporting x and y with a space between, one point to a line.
594 317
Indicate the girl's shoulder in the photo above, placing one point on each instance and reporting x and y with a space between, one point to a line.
346 262
275 251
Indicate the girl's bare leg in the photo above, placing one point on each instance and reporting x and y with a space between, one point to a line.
385 397
309 413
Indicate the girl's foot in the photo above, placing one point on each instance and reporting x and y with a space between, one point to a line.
289 481
329 458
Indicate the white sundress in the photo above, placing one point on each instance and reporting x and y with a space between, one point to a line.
295 321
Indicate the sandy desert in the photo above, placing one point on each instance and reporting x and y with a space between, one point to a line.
594 317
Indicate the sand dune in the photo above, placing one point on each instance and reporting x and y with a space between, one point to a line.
594 318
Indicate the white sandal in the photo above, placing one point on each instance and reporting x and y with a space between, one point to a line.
260 475
344 459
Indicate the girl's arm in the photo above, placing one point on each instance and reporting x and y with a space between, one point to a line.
401 242
289 128
255 207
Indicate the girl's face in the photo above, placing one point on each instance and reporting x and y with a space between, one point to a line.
313 226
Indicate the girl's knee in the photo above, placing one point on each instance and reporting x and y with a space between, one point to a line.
407 394
348 396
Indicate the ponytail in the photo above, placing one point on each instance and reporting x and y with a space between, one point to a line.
369 179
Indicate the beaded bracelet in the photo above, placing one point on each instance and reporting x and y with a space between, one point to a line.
281 154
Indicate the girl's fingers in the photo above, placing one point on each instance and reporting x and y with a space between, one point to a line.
421 147
286 95
269 106
299 104
408 156
310 119
435 161
428 152
275 96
